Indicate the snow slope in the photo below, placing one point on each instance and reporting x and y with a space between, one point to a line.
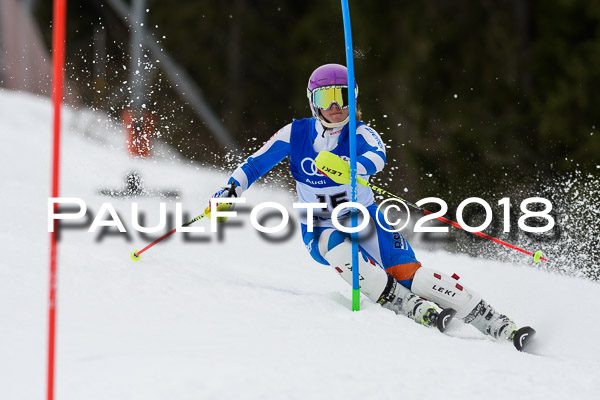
234 316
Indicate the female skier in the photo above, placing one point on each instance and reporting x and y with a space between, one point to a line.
390 274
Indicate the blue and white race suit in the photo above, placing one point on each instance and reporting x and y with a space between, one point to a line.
301 141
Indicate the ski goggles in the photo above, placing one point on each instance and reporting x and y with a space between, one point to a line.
324 97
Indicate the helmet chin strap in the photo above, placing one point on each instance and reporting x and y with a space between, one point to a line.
330 125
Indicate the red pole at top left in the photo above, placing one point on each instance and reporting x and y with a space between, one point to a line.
58 67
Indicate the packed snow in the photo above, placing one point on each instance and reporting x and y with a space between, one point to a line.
235 315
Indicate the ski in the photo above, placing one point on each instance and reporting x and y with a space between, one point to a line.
522 337
444 318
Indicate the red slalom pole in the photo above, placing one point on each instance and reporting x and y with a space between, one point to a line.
58 62
483 235
536 256
135 255
337 169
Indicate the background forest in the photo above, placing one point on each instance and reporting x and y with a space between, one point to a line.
474 98
456 88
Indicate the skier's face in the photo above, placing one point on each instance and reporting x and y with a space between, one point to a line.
335 113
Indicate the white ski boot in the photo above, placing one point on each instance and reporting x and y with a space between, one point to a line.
491 322
402 301
471 308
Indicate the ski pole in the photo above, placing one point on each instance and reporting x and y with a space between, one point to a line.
135 255
337 169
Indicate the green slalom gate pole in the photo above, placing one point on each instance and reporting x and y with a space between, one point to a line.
352 133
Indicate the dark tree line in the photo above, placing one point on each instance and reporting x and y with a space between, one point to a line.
470 95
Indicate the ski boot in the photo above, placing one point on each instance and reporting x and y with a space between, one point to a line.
499 326
402 301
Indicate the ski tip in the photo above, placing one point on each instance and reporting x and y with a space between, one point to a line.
444 318
134 255
522 337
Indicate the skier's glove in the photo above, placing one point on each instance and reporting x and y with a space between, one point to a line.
233 189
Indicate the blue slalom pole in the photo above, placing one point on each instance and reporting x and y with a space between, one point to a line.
352 133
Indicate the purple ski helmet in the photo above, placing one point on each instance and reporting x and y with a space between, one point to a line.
327 75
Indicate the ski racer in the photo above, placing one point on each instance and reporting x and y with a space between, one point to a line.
390 273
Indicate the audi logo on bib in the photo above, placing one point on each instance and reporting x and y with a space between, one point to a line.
312 168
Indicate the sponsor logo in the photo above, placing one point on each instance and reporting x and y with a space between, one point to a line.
309 168
444 291
320 182
376 137
522 338
331 171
